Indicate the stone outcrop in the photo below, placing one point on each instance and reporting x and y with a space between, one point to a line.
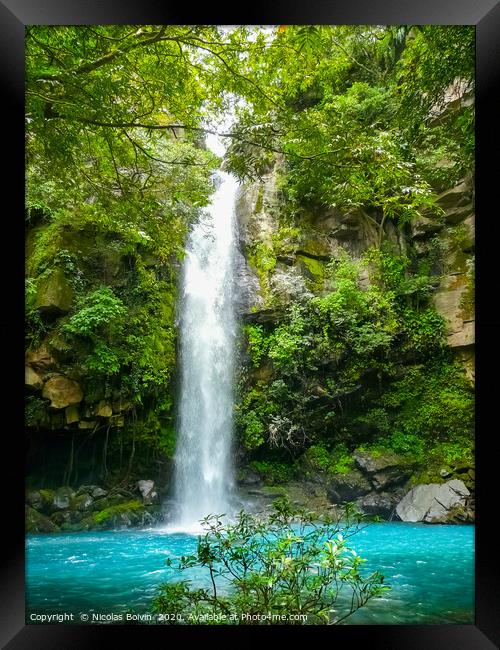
38 523
62 391
385 470
54 294
455 230
103 409
433 503
376 485
348 487
32 379
380 504
148 491
90 507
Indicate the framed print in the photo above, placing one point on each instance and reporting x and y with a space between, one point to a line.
250 270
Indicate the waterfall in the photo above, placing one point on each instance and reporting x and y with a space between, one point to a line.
203 470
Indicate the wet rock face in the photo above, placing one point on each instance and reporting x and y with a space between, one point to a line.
347 487
384 471
247 288
376 485
380 504
433 503
148 491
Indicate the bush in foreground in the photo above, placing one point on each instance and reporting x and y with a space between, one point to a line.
288 568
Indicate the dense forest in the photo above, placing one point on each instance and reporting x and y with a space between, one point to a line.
354 146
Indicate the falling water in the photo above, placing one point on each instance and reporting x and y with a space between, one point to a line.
203 471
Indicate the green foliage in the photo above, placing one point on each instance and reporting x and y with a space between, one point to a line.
34 410
253 429
337 461
253 413
431 405
357 365
287 340
103 360
291 564
257 342
273 472
167 440
97 311
425 330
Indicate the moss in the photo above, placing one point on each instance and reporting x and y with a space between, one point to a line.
48 495
108 513
259 203
315 269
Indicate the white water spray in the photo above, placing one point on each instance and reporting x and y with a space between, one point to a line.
203 468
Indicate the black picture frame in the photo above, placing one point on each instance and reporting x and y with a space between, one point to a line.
485 15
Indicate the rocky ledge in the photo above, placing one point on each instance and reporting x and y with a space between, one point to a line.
91 507
385 485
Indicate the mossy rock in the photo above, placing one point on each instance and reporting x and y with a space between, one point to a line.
82 502
38 523
110 513
54 295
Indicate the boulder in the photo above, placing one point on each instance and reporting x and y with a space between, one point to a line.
390 477
54 295
464 337
82 502
34 499
457 196
453 216
40 359
62 498
61 517
432 502
87 424
94 490
347 487
71 414
103 409
147 490
32 379
385 470
38 523
423 227
41 500
372 464
288 284
381 504
62 392
263 316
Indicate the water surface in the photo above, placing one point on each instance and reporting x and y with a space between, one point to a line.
430 569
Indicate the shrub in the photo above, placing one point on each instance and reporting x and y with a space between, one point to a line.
289 564
273 472
99 309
